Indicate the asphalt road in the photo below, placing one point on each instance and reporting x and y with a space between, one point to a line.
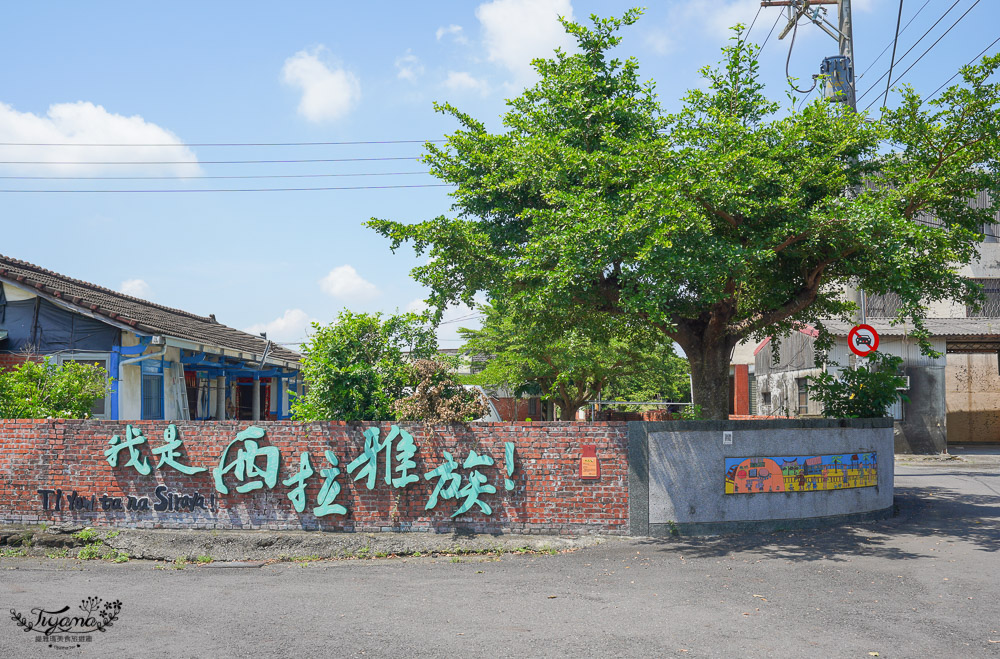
923 584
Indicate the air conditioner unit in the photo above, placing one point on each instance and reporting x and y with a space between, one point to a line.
159 340
906 386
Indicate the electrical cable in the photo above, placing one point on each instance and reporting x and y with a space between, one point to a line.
931 47
805 98
187 178
221 143
955 75
769 34
788 61
892 60
353 187
197 162
754 21
940 18
893 42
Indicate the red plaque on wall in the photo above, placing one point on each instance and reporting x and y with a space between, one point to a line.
590 468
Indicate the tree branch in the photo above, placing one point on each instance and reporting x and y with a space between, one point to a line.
718 212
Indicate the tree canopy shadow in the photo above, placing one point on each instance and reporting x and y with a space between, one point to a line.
921 512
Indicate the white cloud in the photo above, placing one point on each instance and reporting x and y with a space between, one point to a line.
81 123
454 30
715 17
328 91
659 42
417 306
135 288
345 282
517 31
292 326
409 67
462 81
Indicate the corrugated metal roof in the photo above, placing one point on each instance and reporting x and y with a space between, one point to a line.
146 317
936 326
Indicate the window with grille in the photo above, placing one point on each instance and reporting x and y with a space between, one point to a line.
883 306
152 396
991 306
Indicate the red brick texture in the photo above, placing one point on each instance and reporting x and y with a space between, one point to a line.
548 495
10 360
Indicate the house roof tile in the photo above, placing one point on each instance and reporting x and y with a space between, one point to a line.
144 316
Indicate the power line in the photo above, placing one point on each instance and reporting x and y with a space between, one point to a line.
175 144
353 187
893 42
769 34
892 60
940 18
196 162
185 178
955 75
754 21
917 61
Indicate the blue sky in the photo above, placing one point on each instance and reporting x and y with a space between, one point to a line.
187 74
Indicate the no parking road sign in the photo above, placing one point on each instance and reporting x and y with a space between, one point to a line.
863 340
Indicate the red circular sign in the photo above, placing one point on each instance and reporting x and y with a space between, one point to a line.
863 340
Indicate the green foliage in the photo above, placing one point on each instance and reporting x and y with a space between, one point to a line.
437 398
691 413
726 221
571 364
86 535
354 368
865 392
39 390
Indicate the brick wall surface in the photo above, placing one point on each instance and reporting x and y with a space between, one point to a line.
10 359
67 459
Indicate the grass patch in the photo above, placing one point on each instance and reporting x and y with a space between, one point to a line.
12 552
204 559
86 535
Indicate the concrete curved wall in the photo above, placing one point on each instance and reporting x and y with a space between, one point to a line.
677 477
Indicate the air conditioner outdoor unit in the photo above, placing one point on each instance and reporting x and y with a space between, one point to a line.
159 340
906 386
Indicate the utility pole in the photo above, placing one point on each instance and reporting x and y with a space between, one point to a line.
839 82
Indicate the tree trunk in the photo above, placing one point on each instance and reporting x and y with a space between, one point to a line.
568 412
710 377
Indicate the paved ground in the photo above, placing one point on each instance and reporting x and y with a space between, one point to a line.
923 584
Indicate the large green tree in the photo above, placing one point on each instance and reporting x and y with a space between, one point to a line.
571 364
357 367
726 221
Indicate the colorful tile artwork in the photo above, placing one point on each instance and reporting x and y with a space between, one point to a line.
800 473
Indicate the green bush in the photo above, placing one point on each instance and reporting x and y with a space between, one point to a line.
864 392
356 367
39 390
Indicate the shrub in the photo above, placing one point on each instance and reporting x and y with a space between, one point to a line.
864 392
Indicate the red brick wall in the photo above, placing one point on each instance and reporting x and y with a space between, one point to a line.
548 496
11 359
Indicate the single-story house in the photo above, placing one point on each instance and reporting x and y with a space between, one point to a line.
164 363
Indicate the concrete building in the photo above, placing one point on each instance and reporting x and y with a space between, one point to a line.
953 398
165 363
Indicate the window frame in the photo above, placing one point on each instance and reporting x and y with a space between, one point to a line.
87 357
